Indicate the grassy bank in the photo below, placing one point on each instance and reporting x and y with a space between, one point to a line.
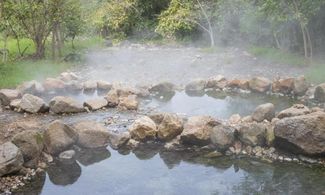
16 71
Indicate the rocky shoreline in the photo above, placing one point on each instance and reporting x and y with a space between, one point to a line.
296 134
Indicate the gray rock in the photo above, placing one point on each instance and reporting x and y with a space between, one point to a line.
67 155
11 159
51 84
15 104
253 134
295 110
119 140
31 87
218 81
223 136
96 104
264 111
33 104
163 87
104 86
196 85
59 137
319 94
284 86
303 134
6 95
91 134
90 87
259 84
112 98
129 102
60 104
30 142
68 76
300 86
143 129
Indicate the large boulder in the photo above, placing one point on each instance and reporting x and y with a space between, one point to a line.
96 104
197 130
218 81
143 129
170 126
6 95
59 137
264 111
33 104
162 87
30 143
303 134
119 140
31 87
196 85
52 84
11 159
300 86
60 104
128 102
223 136
89 87
319 94
295 110
284 86
253 134
259 84
238 83
91 134
112 98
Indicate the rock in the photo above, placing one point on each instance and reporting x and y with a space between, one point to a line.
197 130
90 87
14 104
223 136
234 119
59 137
300 86
319 94
295 110
247 119
30 143
163 87
170 126
218 81
119 140
6 95
264 111
129 103
302 134
104 86
284 86
95 104
123 90
270 134
252 134
51 84
196 85
73 87
240 84
68 76
143 129
11 159
91 134
33 104
157 117
259 84
31 87
112 98
60 104
67 155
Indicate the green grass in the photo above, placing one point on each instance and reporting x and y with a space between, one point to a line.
277 56
316 73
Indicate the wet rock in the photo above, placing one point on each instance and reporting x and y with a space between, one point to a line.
51 84
68 76
91 156
128 103
11 158
119 140
91 134
6 95
60 104
59 137
163 87
174 145
264 111
103 86
197 130
96 104
218 81
300 86
319 94
170 126
252 134
64 173
295 110
31 87
223 136
259 84
67 155
284 86
33 104
90 87
30 143
302 134
143 129
112 98
196 85
239 84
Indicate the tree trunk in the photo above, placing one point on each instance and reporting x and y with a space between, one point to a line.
40 48
211 35
304 39
53 46
310 44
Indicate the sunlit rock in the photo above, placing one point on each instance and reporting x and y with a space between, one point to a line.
260 84
96 104
52 84
31 87
284 86
60 104
33 104
169 127
129 102
143 129
6 95
11 158
264 111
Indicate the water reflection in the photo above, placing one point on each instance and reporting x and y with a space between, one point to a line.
64 173
88 157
